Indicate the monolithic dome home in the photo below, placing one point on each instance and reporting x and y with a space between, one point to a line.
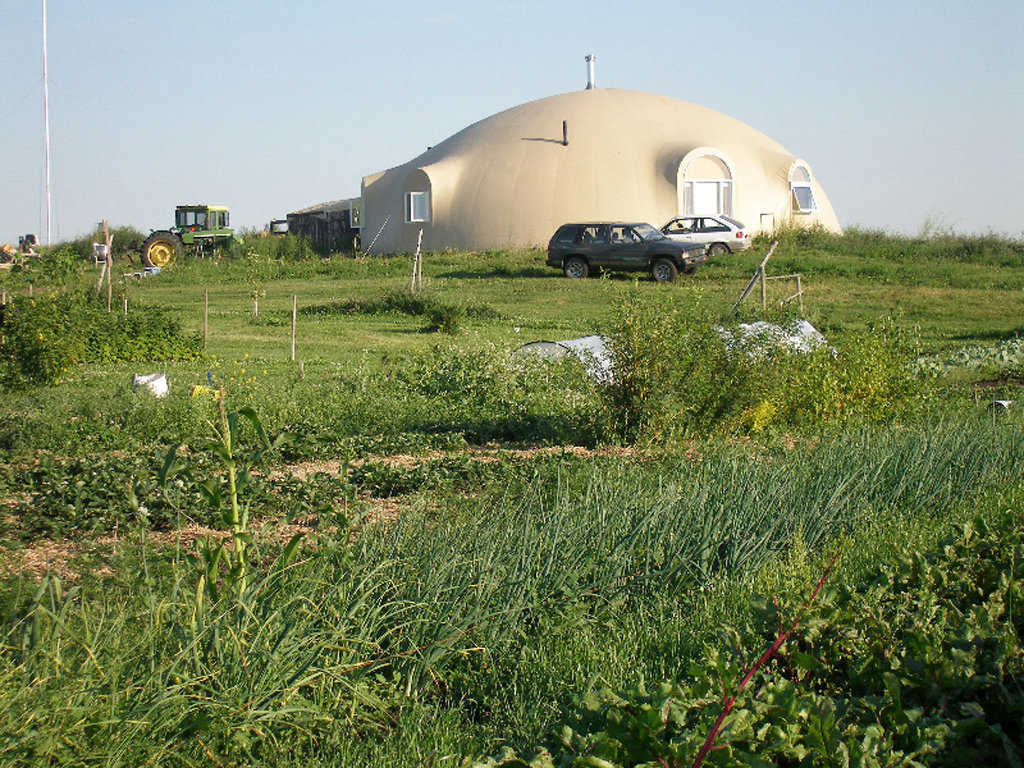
598 154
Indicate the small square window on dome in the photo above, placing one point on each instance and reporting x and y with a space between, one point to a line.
417 206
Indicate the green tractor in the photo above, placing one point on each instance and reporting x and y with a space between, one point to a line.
197 228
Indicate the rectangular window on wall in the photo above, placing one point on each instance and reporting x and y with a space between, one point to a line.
707 197
417 206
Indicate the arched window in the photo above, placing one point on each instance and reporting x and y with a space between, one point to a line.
705 183
800 185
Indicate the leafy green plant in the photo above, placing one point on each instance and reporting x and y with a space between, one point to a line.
74 498
449 472
1006 356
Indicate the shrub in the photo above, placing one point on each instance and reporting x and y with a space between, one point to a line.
280 248
36 343
666 359
878 245
62 265
440 315
675 376
446 318
42 337
125 241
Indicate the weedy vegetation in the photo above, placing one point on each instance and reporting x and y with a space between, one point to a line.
420 547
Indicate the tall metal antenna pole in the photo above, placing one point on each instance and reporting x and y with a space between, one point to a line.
46 126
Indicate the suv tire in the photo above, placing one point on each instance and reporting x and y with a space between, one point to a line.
575 267
663 271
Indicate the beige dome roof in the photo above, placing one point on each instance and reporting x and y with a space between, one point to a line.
508 180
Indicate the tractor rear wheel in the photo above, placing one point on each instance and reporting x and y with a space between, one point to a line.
161 249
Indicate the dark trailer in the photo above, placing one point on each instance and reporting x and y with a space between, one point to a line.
330 227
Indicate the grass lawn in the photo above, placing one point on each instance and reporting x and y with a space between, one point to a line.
948 303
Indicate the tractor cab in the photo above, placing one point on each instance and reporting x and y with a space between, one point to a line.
201 222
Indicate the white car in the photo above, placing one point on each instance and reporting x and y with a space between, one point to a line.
719 234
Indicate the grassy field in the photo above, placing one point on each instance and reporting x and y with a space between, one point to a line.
446 549
979 295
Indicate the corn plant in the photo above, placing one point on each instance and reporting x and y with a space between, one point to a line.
221 492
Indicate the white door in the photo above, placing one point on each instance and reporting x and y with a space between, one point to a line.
705 197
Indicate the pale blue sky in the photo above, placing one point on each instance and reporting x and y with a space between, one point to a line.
907 111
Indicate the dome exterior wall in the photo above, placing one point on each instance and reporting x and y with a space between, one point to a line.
509 180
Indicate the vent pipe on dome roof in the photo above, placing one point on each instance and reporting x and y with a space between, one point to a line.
591 83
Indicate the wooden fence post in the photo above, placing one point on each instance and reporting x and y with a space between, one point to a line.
107 241
294 306
417 266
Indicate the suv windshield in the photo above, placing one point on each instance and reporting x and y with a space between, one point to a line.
647 232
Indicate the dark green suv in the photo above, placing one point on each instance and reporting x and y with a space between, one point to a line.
579 249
